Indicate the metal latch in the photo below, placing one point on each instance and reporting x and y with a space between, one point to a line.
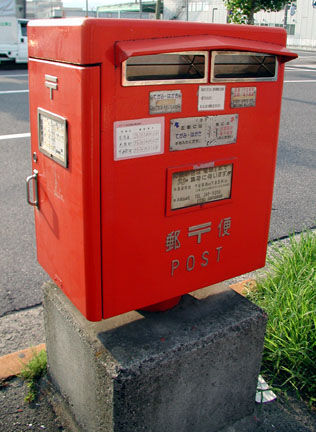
28 180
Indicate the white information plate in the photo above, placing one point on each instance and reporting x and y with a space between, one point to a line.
211 98
242 97
201 186
138 138
52 136
198 132
163 102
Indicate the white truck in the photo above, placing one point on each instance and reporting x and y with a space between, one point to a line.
13 39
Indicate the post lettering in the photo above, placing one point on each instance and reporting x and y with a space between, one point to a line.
205 255
174 265
190 263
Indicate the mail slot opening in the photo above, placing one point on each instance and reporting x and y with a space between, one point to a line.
166 68
243 66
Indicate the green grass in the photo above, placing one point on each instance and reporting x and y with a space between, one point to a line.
288 294
32 372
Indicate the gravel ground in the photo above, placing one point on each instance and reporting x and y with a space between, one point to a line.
21 330
17 416
280 415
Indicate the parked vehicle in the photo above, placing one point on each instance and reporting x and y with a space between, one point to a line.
13 39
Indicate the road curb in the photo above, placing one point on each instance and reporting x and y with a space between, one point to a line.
12 364
243 287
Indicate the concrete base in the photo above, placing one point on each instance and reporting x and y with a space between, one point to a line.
191 369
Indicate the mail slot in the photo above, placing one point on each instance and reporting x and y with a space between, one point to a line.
153 155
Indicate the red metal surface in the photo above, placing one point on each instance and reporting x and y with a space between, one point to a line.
89 41
127 49
124 205
68 219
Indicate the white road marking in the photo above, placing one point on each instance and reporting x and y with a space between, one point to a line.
12 136
13 91
300 81
301 65
301 57
300 70
15 75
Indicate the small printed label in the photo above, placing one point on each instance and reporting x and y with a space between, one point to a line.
52 134
138 138
211 98
242 97
201 186
198 132
163 102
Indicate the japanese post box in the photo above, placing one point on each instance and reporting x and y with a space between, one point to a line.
153 150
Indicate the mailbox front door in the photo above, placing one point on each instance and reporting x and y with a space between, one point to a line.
65 122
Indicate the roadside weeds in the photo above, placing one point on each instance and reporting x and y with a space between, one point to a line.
287 292
32 372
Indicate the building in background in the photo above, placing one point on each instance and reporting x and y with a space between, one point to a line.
16 8
20 7
299 17
13 31
192 10
144 9
42 8
304 23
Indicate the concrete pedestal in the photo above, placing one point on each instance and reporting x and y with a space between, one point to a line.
191 369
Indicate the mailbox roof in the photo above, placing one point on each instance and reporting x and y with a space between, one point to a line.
87 41
128 49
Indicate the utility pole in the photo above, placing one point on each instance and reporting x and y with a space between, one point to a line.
286 8
158 7
140 9
87 8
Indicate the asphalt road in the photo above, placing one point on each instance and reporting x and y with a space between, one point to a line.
294 204
20 275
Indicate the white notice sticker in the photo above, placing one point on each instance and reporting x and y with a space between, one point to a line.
198 132
211 98
201 186
52 136
138 138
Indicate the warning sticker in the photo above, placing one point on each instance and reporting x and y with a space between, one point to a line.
198 132
201 186
242 97
211 98
138 138
163 102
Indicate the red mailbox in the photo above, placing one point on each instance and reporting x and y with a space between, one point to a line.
154 147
